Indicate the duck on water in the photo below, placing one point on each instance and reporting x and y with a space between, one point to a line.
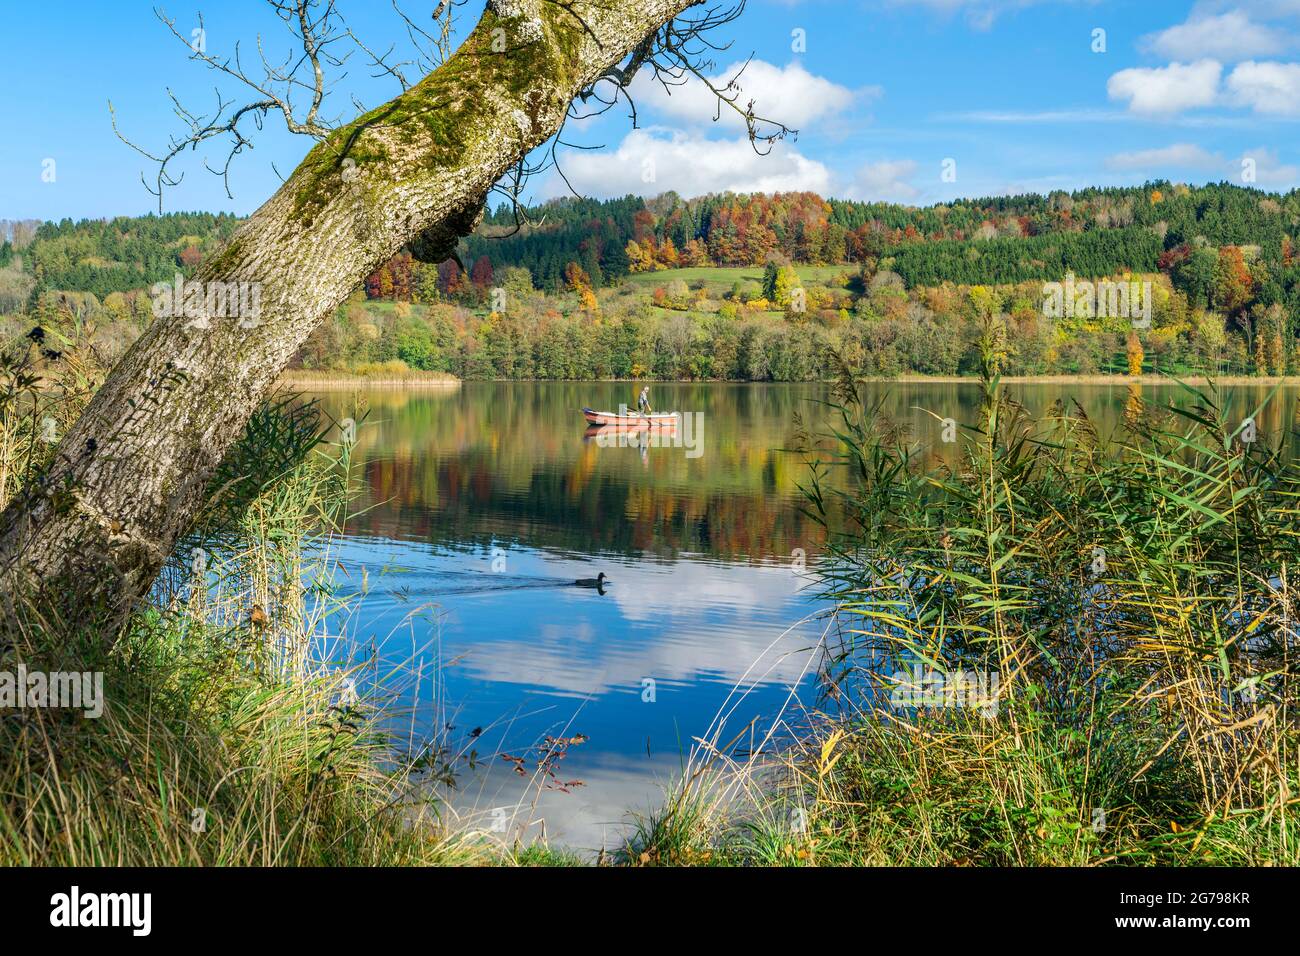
598 582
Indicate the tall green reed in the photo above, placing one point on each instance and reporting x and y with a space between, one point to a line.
1133 595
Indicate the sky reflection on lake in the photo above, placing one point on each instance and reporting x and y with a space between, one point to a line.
480 508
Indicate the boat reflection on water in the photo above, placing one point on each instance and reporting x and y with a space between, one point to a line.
624 429
617 436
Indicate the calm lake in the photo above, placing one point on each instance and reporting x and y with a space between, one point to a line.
481 506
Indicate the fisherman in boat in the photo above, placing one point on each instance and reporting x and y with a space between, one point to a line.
643 403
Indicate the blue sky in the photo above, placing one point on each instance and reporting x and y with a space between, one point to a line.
1012 92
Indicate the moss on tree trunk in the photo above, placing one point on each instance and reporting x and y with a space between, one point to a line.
91 536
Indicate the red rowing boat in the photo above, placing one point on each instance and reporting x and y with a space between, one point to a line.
631 420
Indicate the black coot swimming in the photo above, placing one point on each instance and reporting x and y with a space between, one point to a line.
597 582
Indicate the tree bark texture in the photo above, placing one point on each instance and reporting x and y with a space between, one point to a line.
130 475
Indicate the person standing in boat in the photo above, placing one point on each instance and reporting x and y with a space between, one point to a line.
643 403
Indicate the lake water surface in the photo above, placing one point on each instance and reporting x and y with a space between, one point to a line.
481 506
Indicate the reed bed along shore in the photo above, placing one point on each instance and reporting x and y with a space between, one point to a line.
328 380
1056 652
238 724
377 378
1199 381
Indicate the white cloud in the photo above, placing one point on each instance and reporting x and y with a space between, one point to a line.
1167 89
652 161
887 180
1266 87
1263 9
1267 169
685 602
1179 154
789 95
1228 36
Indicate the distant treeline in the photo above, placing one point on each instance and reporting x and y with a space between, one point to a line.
538 292
102 256
1003 239
1095 232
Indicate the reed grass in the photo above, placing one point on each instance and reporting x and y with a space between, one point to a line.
1133 593
238 727
369 375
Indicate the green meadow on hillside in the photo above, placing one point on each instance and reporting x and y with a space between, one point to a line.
750 288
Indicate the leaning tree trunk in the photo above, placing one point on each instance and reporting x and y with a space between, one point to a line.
129 477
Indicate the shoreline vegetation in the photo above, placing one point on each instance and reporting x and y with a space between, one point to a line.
1141 708
312 380
240 727
324 381
379 378
1117 379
